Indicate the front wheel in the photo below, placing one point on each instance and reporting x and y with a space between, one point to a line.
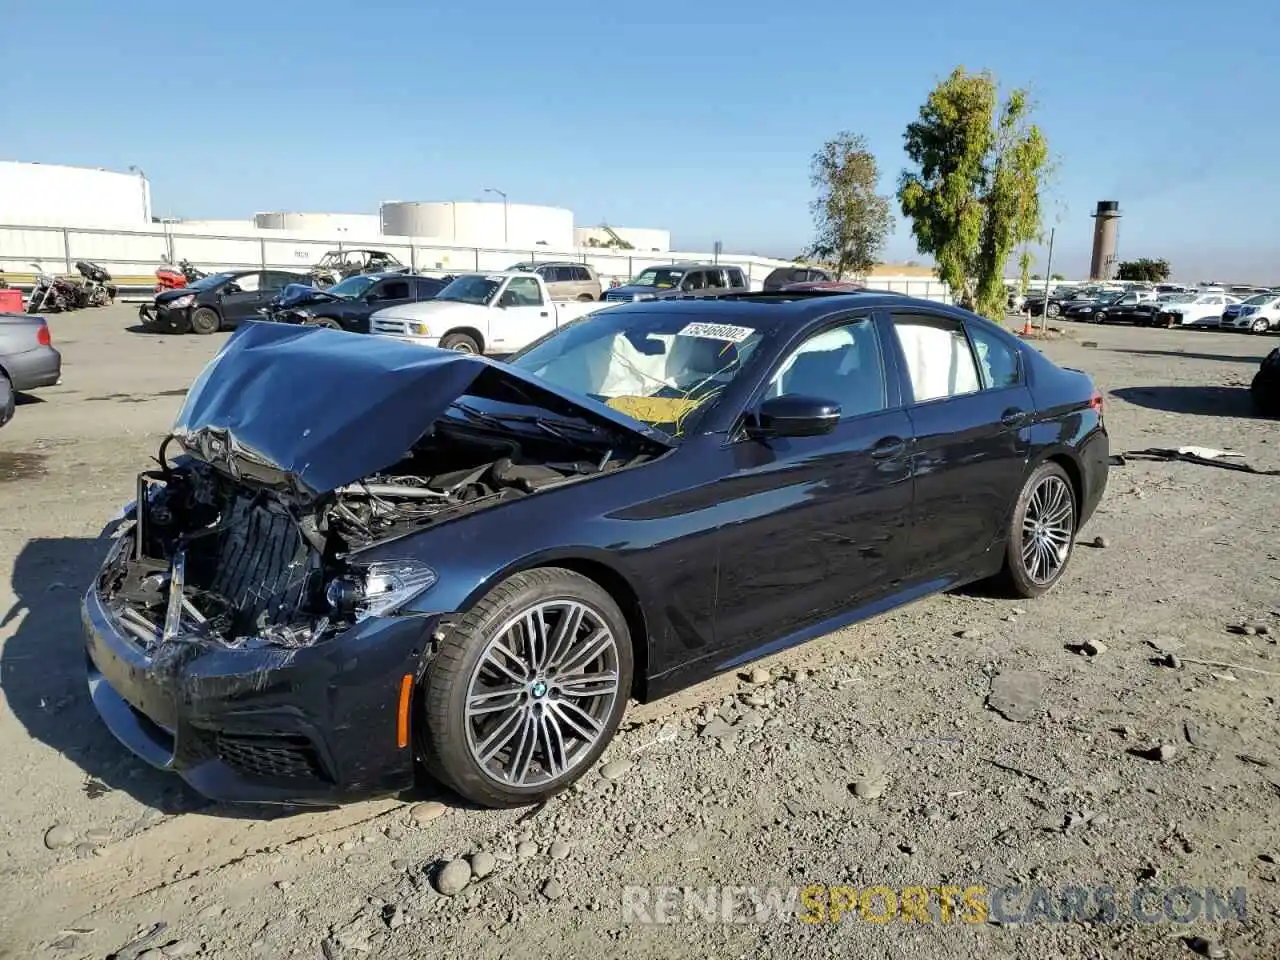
462 342
1053 310
205 320
1261 325
527 689
1041 533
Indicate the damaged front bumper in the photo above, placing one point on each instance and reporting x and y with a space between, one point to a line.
321 725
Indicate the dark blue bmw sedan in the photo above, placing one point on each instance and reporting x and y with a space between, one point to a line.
359 559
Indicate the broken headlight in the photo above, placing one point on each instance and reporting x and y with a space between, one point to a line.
377 588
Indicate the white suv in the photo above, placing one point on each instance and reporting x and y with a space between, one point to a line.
1258 314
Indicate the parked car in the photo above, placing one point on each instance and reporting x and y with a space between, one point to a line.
1059 297
1086 310
1126 307
349 304
1145 313
217 302
825 286
1258 314
1265 389
336 265
784 277
681 280
479 563
564 280
28 359
1199 310
481 313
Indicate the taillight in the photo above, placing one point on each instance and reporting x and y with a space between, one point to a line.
42 336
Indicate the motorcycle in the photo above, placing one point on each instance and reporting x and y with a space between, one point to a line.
169 277
97 289
50 294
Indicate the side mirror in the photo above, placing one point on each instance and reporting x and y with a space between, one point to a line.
372 297
508 299
793 415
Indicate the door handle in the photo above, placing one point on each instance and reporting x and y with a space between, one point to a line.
1013 417
888 448
543 314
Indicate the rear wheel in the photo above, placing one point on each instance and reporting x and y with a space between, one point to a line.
1053 310
205 320
586 298
327 322
1041 533
462 342
7 400
527 690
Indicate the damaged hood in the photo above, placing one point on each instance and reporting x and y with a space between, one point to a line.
318 409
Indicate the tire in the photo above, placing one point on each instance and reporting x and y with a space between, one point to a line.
586 298
7 400
1261 325
327 322
462 342
1042 494
1053 310
454 743
205 320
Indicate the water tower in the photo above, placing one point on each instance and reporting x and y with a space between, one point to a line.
1106 235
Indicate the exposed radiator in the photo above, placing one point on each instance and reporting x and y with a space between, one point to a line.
264 565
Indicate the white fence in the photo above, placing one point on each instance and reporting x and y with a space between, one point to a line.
133 254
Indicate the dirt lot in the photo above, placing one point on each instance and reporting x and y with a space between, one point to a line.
872 757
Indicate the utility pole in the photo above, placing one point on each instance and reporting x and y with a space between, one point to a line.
1048 272
506 239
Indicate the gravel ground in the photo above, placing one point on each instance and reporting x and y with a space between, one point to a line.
1119 733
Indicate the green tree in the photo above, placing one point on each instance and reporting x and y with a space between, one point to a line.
973 194
1152 271
851 221
1057 276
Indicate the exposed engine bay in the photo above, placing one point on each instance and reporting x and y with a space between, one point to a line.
213 557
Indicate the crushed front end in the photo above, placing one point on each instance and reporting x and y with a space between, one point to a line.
227 641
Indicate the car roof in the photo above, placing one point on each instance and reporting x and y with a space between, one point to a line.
784 308
690 265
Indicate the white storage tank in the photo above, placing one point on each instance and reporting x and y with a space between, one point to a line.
642 239
326 224
50 194
520 226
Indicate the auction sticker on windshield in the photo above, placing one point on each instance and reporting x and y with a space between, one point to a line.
717 331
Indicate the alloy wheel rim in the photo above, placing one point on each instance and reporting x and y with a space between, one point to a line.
541 694
463 348
1047 527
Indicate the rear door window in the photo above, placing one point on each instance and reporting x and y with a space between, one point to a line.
940 363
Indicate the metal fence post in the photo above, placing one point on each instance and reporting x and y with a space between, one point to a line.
66 248
413 257
476 251
262 251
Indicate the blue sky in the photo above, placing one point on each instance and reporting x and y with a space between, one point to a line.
700 119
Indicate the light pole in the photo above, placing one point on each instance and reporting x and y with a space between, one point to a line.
505 238
142 182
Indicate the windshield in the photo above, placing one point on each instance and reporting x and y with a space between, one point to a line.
662 277
664 369
1179 298
211 281
351 287
1261 298
473 288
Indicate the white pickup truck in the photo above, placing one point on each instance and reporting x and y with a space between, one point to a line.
481 313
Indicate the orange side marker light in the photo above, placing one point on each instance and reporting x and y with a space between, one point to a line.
402 714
